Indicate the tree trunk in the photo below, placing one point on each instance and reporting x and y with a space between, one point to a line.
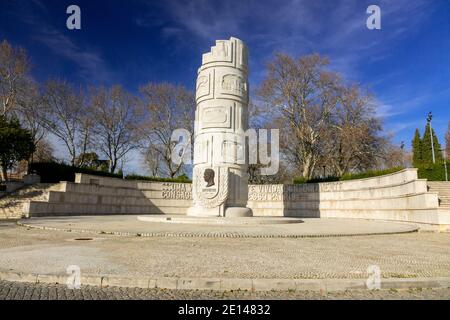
112 168
4 174
307 164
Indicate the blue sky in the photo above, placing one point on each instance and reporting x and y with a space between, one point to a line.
406 63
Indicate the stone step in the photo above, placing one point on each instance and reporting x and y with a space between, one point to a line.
439 187
12 212
11 206
446 192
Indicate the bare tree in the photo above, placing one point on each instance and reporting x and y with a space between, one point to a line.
327 126
152 160
301 95
168 107
255 176
64 110
352 140
85 142
44 151
394 156
29 110
116 116
14 68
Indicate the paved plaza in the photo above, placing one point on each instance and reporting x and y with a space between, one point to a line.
255 227
50 252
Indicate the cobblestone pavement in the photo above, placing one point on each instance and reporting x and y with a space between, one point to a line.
129 225
26 291
51 252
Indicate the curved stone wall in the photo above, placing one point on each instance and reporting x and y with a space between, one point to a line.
93 195
400 196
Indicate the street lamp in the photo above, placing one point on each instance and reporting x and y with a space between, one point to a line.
429 118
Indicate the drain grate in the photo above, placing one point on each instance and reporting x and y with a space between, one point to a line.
84 239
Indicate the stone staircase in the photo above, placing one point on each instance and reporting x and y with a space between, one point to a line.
11 206
443 190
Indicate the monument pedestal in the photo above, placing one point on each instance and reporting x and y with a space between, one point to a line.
232 212
235 212
206 212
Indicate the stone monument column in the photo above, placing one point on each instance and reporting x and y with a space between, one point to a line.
219 178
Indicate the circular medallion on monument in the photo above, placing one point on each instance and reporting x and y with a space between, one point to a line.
211 187
209 176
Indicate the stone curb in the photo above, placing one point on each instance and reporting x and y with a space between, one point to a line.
228 284
216 234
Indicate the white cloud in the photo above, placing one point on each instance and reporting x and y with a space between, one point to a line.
90 62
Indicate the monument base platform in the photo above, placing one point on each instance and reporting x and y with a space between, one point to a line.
219 212
205 212
243 221
217 227
238 212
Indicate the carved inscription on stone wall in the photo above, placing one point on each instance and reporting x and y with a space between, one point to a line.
272 192
265 192
301 188
177 191
331 186
278 192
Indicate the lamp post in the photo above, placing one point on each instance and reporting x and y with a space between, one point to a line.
429 118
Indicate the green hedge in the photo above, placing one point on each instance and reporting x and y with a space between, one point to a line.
53 172
315 180
370 174
433 172
180 179
349 176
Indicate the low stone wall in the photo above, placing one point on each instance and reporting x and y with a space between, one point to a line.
92 195
12 186
400 196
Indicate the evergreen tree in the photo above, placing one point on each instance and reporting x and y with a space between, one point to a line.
427 154
16 144
417 149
